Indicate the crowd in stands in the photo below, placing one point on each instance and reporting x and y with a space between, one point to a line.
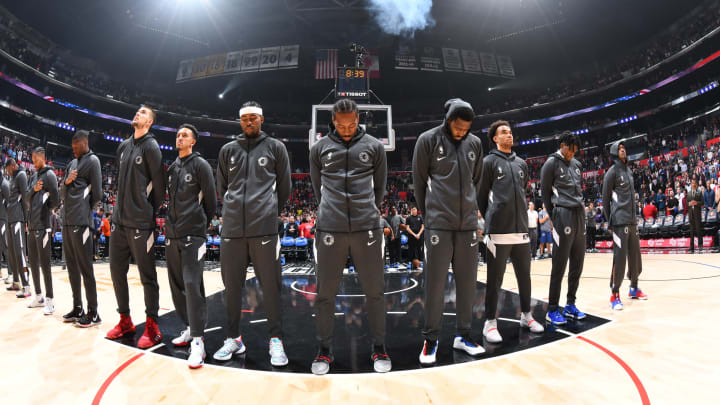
42 54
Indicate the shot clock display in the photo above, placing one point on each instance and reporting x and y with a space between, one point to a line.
352 83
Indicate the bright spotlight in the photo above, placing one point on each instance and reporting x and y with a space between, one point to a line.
220 96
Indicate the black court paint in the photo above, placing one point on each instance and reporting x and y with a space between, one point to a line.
352 345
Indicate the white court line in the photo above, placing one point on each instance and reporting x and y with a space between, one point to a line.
415 284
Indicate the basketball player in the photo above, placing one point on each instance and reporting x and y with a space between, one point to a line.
141 191
42 198
348 169
16 236
253 176
446 172
501 200
191 205
561 182
4 199
81 191
415 229
619 208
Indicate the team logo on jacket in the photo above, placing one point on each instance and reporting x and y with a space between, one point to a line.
577 171
521 174
232 160
441 150
188 178
262 161
626 230
328 240
167 242
434 240
112 228
364 157
568 230
471 155
138 160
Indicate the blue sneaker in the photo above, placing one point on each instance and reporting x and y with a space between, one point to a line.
571 311
615 302
555 317
637 294
429 352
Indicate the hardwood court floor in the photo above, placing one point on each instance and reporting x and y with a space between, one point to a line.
660 351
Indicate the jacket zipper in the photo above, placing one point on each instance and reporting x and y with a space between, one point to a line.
247 173
512 176
347 195
177 185
457 159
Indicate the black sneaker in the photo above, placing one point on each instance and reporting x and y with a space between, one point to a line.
91 318
381 361
74 315
321 364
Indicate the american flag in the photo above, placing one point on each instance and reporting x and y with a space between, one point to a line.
326 63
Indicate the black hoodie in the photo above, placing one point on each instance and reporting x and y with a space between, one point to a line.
4 199
446 175
619 191
40 203
192 201
561 183
18 187
348 180
81 196
141 183
253 179
501 197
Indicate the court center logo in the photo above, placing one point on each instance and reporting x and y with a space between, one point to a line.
328 240
138 160
188 178
364 157
471 155
434 240
568 230
262 161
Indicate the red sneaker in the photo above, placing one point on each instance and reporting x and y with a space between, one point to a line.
637 294
151 336
123 327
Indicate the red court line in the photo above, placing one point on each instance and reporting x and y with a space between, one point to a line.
631 373
112 376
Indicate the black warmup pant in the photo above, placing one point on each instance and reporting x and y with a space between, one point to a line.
414 246
3 244
626 247
185 260
235 255
78 250
39 251
590 237
497 262
16 239
533 233
568 243
395 249
138 243
331 253
696 227
442 248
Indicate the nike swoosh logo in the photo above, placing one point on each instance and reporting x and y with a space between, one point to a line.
501 177
441 158
265 242
138 236
474 244
75 230
327 164
188 244
233 168
371 243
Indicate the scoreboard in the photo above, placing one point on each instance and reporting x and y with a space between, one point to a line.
352 83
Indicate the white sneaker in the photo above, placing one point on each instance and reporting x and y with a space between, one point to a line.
428 354
277 353
527 321
468 345
230 347
184 339
23 292
49 307
37 302
490 331
197 353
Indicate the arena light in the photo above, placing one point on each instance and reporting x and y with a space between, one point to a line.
220 96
